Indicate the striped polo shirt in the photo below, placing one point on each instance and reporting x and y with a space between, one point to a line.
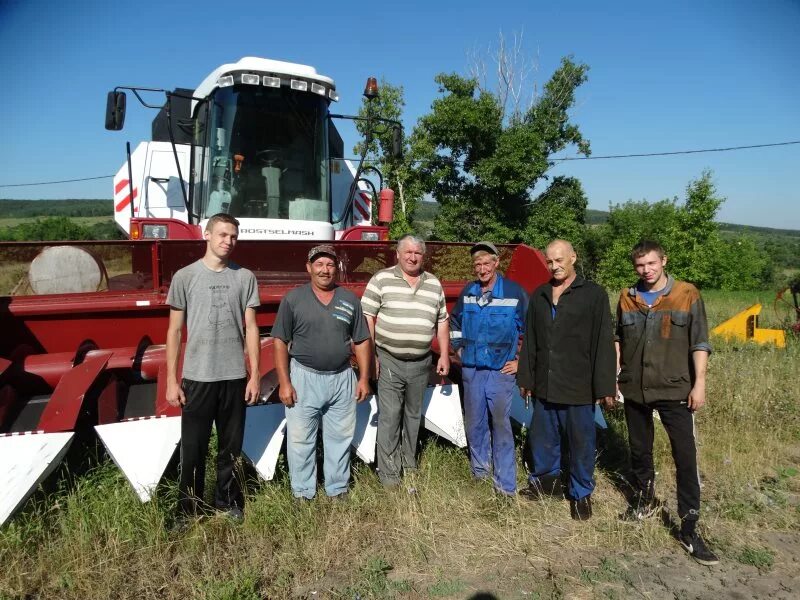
406 317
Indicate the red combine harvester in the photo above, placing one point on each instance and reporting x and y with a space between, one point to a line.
84 323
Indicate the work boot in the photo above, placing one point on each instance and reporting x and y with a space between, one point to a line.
543 487
581 510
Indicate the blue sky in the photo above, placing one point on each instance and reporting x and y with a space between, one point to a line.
663 76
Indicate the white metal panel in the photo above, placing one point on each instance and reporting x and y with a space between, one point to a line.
25 461
366 429
163 193
264 432
442 411
142 448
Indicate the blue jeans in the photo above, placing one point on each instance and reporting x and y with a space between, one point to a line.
329 397
489 392
544 436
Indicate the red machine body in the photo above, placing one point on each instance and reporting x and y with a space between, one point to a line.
93 359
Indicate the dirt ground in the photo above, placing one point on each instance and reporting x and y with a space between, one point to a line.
669 574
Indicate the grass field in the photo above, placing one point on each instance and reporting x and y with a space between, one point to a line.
443 535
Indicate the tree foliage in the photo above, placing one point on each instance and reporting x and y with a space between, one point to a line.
559 212
690 236
481 163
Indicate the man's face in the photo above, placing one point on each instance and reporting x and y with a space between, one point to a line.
650 267
323 272
485 267
560 262
410 258
221 240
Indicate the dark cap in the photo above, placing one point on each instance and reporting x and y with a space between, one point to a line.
484 245
325 249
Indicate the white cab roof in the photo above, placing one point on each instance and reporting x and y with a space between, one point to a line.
261 65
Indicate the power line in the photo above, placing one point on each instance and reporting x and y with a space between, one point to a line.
5 185
677 152
566 158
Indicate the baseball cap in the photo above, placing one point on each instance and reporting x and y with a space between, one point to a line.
484 245
325 249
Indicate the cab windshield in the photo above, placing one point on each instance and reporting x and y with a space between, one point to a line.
264 154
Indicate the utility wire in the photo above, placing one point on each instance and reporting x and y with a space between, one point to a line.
5 185
677 152
565 158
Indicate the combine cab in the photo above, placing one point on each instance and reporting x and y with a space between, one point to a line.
82 354
256 140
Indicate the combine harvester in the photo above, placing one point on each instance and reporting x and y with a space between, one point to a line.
84 323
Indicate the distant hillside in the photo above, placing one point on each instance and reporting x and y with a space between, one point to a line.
22 209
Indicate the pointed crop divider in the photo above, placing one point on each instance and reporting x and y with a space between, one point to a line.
25 461
366 429
441 407
264 432
142 449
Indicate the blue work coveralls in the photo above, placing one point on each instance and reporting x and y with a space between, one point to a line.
486 327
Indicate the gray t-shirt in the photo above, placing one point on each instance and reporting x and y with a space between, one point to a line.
214 304
319 336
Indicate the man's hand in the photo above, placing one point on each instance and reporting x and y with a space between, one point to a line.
443 365
175 395
510 368
253 391
697 397
287 394
608 402
377 367
362 389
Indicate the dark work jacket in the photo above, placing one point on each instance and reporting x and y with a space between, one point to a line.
569 359
657 343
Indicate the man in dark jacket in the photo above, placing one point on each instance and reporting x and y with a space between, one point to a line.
662 339
567 362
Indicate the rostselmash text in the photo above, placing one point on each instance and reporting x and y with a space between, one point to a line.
275 231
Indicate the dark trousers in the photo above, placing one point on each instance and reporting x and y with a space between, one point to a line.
678 422
401 390
221 403
550 421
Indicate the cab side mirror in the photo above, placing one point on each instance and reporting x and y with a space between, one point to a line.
115 111
397 142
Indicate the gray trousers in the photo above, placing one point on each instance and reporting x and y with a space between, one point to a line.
401 388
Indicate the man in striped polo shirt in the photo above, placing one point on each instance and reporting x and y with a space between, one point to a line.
405 307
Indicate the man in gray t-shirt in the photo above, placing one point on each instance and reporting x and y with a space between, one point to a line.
314 330
216 298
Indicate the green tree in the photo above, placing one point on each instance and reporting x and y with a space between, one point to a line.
690 236
559 212
481 162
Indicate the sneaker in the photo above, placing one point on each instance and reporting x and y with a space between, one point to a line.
581 510
340 497
697 549
642 510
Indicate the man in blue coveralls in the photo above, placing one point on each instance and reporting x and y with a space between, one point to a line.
485 325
